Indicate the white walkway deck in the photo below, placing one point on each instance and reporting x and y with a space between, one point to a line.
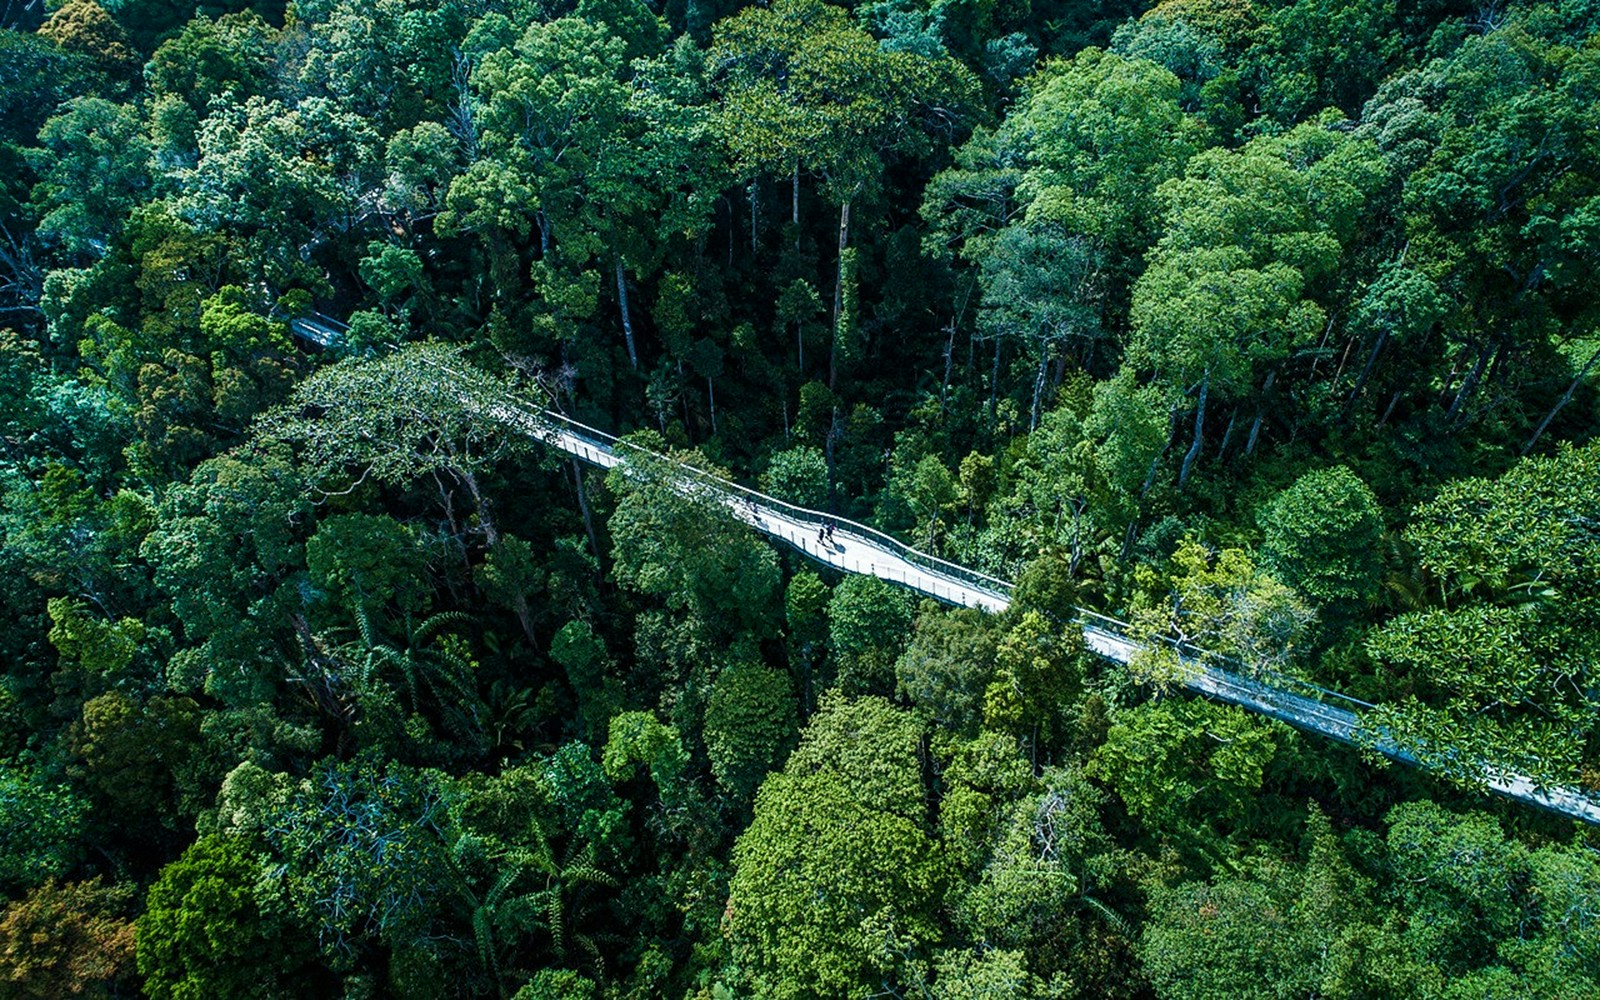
856 548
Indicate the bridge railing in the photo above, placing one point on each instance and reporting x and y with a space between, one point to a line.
1239 682
597 445
990 585
1236 669
892 570
1240 673
939 578
594 445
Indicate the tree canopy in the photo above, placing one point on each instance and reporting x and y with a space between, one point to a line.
1264 329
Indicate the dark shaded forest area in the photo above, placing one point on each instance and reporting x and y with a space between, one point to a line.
1265 325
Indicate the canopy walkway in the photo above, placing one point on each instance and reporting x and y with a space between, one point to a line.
857 548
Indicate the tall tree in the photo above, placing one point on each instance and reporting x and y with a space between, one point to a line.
205 930
1322 537
94 170
805 88
608 165
68 940
1497 667
836 876
421 413
675 539
1231 295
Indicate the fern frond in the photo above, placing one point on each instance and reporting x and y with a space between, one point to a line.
589 948
558 923
436 623
502 885
364 624
483 931
591 874
1109 915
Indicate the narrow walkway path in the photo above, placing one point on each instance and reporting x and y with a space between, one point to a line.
857 548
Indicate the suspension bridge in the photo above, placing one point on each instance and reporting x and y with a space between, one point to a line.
857 548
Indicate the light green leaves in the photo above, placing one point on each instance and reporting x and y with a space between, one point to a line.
803 84
204 932
1103 133
640 738
398 417
798 475
750 726
868 624
103 648
1221 603
835 877
690 551
1171 757
1500 668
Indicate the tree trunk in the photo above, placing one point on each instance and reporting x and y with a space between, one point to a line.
800 344
1387 410
1322 344
838 291
583 508
1497 363
1344 358
446 501
1127 539
1572 387
1076 558
1471 381
794 202
683 398
1366 370
524 612
1038 387
754 214
1155 463
1255 433
463 111
1261 413
1444 389
1150 480
627 321
1199 433
828 441
994 385
1227 435
949 361
491 534
711 395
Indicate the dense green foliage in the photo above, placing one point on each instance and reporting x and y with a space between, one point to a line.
1265 325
